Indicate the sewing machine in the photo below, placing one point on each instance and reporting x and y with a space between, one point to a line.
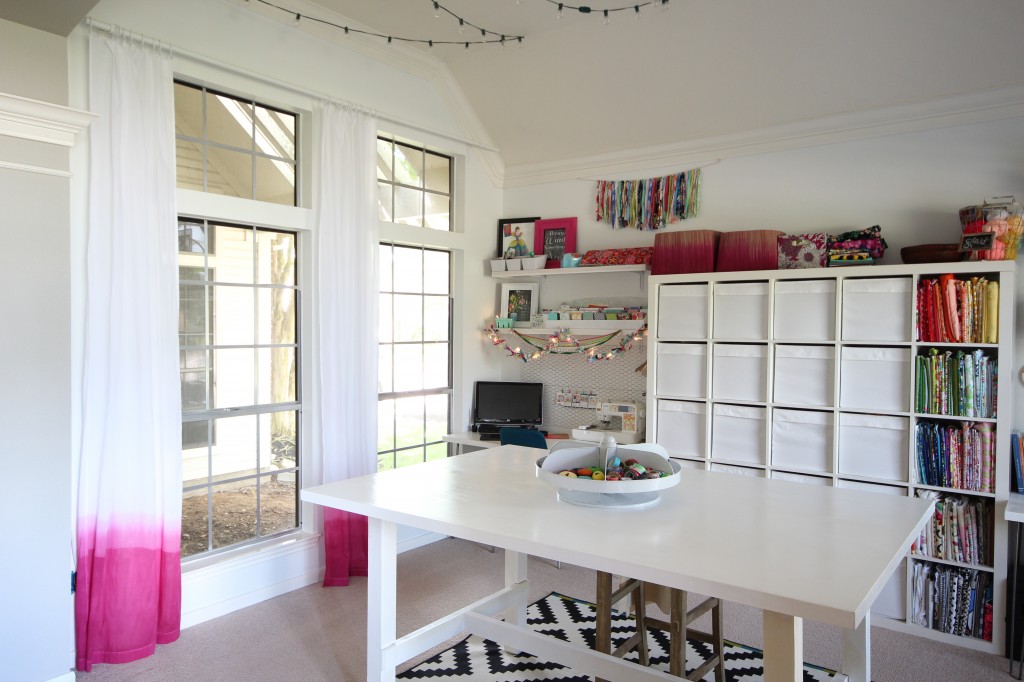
621 421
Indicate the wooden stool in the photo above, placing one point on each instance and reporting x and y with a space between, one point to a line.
677 627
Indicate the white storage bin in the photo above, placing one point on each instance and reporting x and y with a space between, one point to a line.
689 463
805 375
801 478
681 428
739 372
741 471
874 446
682 370
875 378
892 600
805 310
741 311
802 440
683 311
738 433
877 309
873 487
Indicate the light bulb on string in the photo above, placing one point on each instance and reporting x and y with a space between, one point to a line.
467 47
462 26
503 41
664 5
607 19
437 10
430 45
389 40
636 10
297 19
558 15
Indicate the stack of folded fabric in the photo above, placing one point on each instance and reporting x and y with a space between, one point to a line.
857 247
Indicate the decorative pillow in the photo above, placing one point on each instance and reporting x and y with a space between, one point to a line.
798 251
684 251
748 250
632 256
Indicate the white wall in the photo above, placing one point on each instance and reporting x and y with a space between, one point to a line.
912 185
35 363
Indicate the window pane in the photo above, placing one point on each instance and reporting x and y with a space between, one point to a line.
435 318
435 272
385 460
275 133
409 367
384 255
275 181
408 206
384 160
437 451
234 258
195 443
192 239
276 316
228 121
279 504
385 425
408 165
409 421
385 317
228 172
385 372
437 212
411 456
435 365
234 381
276 377
234 454
408 269
408 317
284 438
189 162
195 521
385 196
438 173
234 513
233 322
437 418
188 111
195 379
275 253
193 315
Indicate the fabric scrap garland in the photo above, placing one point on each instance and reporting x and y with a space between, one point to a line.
562 342
649 204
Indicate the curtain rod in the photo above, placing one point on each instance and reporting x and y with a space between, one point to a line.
239 71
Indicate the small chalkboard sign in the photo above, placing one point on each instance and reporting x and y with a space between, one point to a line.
978 241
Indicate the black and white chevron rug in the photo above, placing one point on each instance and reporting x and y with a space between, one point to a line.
572 620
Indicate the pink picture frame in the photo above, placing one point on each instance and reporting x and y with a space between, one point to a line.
554 237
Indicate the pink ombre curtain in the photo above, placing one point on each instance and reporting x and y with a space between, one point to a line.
347 315
129 461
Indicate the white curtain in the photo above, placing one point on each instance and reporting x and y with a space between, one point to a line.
348 291
129 479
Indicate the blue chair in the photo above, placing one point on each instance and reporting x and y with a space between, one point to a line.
527 437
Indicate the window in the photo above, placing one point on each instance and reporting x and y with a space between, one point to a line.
239 351
414 384
414 185
232 146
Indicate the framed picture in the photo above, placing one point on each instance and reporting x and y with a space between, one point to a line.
521 299
554 237
515 236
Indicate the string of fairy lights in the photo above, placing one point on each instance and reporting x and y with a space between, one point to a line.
531 347
486 37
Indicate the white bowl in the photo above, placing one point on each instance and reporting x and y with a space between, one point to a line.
625 493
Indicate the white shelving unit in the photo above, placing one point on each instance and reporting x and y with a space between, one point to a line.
809 375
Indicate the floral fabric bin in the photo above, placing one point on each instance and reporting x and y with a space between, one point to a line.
631 256
798 251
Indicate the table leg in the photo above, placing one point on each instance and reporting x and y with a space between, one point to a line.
783 647
1013 604
381 600
515 573
857 651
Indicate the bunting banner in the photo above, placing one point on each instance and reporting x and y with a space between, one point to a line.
649 204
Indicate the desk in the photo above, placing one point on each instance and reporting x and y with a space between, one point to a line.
796 551
471 439
1015 514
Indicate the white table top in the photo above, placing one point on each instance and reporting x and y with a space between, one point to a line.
813 552
1015 508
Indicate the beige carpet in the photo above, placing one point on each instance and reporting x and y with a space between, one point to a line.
319 634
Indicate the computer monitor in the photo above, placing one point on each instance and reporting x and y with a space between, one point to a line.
508 403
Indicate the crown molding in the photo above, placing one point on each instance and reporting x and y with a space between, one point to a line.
30 119
975 107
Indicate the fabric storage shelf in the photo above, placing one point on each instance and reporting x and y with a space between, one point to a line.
875 378
741 311
740 372
738 433
802 440
805 375
681 428
873 446
682 370
683 311
877 309
805 310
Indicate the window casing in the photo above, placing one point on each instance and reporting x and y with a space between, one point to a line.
414 185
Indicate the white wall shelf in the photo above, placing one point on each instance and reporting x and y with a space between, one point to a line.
834 353
640 270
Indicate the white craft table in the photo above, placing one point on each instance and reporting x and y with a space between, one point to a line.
795 551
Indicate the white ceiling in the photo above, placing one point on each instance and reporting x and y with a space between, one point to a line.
702 69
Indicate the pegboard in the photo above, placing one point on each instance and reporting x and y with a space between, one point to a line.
614 380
